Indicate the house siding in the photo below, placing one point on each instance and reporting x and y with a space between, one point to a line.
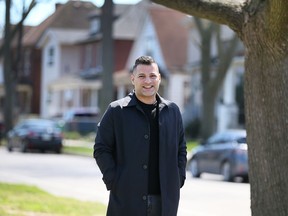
122 50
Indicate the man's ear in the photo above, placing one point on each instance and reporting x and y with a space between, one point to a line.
132 78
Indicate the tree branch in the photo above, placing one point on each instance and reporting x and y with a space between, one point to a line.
227 12
224 62
19 24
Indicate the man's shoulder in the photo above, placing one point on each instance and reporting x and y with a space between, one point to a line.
169 103
121 102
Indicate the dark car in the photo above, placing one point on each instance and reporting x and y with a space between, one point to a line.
83 120
224 153
40 134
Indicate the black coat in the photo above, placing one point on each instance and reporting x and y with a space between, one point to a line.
121 151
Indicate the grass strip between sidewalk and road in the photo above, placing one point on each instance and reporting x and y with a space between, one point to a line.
24 200
78 150
88 151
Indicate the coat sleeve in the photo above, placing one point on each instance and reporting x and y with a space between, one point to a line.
104 148
182 152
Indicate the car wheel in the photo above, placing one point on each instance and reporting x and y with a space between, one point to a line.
42 151
226 172
23 146
58 150
10 149
9 146
193 167
245 179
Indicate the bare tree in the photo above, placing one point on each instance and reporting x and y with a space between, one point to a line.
211 84
15 29
10 81
262 26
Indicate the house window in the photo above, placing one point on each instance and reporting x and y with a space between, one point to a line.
86 97
94 26
51 54
88 57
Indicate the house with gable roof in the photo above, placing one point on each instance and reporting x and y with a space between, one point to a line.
61 56
165 36
81 88
138 29
69 23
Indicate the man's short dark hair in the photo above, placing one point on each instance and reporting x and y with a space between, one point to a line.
146 60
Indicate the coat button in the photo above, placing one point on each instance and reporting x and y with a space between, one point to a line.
144 197
146 136
145 166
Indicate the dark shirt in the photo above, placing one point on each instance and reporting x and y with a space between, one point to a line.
151 111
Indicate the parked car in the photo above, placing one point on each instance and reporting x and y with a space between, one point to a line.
83 120
41 134
224 153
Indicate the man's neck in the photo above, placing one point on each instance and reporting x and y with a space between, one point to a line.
147 100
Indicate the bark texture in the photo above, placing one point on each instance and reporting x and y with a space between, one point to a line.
262 26
266 92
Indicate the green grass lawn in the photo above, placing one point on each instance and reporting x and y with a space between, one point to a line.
78 150
88 151
191 145
22 200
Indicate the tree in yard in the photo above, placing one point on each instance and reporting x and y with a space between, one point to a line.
262 27
212 83
5 52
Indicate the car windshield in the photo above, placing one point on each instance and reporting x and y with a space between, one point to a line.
228 136
242 140
41 124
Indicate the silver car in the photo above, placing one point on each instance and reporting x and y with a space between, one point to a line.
224 153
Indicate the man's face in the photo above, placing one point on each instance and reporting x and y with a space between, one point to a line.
146 80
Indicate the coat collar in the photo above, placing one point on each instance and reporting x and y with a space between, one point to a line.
131 100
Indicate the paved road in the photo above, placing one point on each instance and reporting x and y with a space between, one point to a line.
79 177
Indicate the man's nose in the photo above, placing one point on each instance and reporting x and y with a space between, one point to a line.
147 80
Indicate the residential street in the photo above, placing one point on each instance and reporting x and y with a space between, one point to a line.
80 178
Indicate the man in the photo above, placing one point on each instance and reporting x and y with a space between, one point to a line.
140 148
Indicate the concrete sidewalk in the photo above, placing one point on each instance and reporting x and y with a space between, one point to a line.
83 143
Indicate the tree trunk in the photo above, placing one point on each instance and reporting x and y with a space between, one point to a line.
10 84
107 91
8 74
212 83
208 114
266 103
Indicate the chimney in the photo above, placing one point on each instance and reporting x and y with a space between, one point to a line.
57 5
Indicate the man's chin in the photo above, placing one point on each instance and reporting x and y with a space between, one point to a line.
149 94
